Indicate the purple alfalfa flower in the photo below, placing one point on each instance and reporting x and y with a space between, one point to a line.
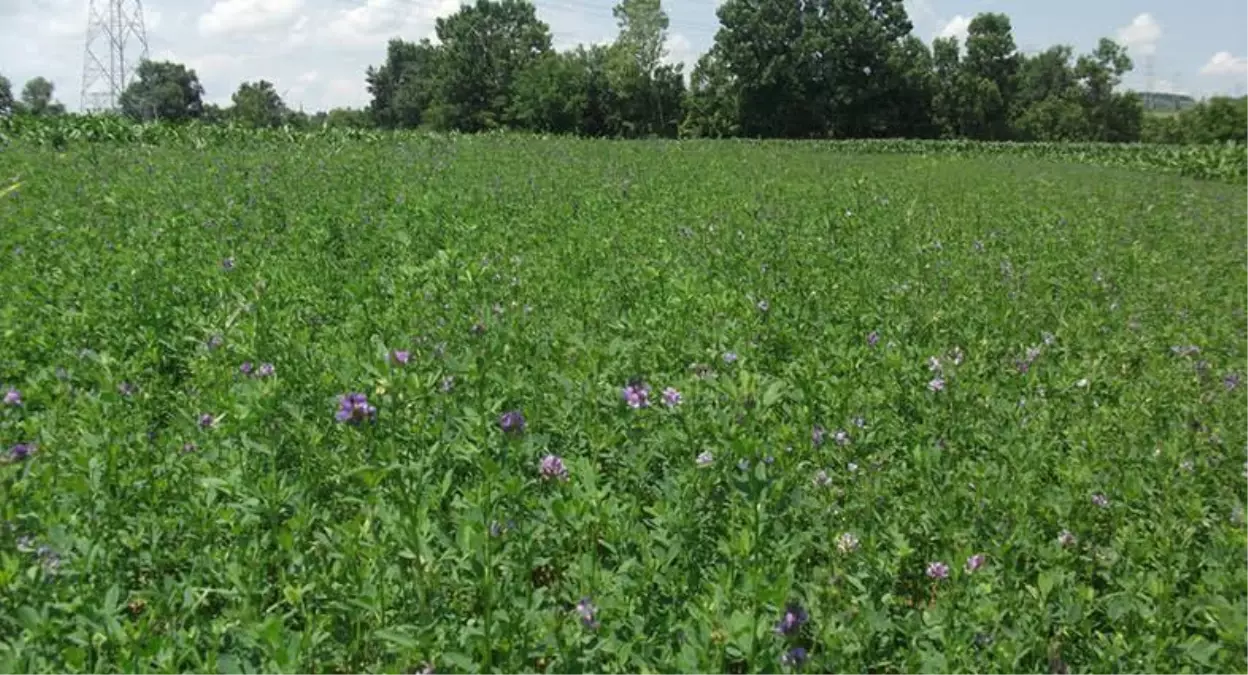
730 357
1231 381
636 394
933 364
448 384
552 468
1066 539
21 451
792 619
704 459
400 356
1099 499
125 389
354 408
586 610
794 658
822 479
246 369
671 396
511 422
817 435
206 420
215 341
841 437
763 306
265 370
937 384
13 397
847 543
937 570
228 263
975 562
873 338
188 448
478 328
860 421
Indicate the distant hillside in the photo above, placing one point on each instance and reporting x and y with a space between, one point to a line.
1158 102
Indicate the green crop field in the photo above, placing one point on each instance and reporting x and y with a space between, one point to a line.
515 404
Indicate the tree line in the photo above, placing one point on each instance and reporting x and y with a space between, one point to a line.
776 69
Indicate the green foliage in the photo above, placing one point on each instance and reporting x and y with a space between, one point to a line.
257 104
541 275
37 99
6 96
165 91
1221 119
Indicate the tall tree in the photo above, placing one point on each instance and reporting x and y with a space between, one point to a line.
257 104
404 87
711 103
1112 116
37 98
991 66
648 92
163 90
761 46
6 96
484 48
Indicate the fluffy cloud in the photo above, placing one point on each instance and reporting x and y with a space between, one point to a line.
247 16
1223 63
1141 35
957 27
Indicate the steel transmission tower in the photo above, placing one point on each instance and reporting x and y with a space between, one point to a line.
116 43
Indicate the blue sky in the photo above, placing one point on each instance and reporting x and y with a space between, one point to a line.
316 51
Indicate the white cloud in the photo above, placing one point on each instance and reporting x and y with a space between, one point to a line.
680 50
1141 35
1223 63
957 27
247 16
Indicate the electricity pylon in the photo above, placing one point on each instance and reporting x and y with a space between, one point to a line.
116 43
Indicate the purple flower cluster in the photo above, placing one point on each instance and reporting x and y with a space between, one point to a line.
553 468
586 610
354 408
400 356
12 397
792 620
937 570
511 422
975 562
637 395
20 451
265 369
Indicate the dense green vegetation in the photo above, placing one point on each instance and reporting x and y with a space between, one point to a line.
653 406
842 69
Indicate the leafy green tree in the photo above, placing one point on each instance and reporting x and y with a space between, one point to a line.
484 47
991 69
6 96
711 102
257 104
163 91
1112 116
760 44
648 93
404 87
37 98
